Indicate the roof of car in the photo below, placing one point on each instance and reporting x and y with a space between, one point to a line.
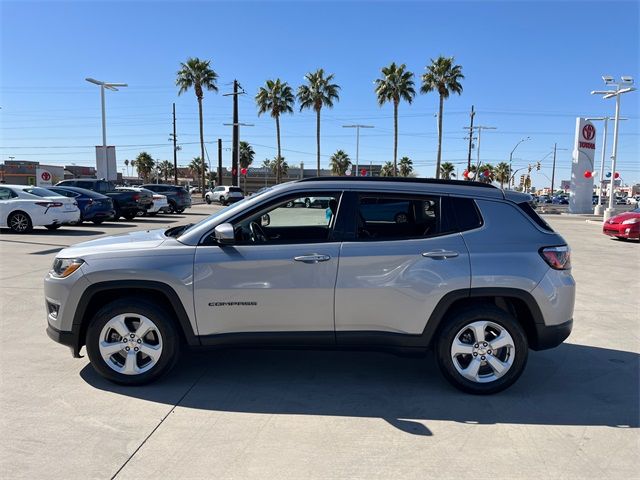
83 191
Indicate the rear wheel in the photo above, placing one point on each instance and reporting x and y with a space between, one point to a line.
482 350
307 202
97 221
52 227
129 216
132 342
20 222
223 201
207 199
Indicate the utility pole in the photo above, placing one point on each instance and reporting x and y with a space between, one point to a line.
175 148
473 114
235 151
219 162
553 170
357 127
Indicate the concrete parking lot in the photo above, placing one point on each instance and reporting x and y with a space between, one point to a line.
298 414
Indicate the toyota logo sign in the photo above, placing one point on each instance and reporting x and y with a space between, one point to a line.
46 176
588 131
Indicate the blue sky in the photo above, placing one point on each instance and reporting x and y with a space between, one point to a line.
529 68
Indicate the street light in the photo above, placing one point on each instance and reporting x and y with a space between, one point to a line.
514 149
625 80
358 127
599 209
108 86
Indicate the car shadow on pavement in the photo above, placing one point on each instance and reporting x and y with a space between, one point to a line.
569 385
61 232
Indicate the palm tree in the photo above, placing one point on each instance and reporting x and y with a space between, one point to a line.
276 97
480 173
442 76
145 164
388 170
340 163
199 169
196 73
446 170
319 92
246 155
396 84
502 173
166 169
278 166
406 166
126 164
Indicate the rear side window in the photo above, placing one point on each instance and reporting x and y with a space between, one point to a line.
533 215
467 213
235 189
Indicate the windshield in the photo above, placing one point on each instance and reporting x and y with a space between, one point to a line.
41 192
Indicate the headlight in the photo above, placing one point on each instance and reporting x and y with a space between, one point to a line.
631 221
63 267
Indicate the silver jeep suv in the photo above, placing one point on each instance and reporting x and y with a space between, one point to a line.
400 265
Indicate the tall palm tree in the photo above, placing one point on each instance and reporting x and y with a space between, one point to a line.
199 167
317 93
396 84
166 169
444 77
406 166
502 173
145 164
126 164
339 163
275 97
197 73
388 170
446 170
246 155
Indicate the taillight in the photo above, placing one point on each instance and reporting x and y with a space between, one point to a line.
136 197
558 258
49 204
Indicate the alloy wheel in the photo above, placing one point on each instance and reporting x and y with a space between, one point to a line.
19 222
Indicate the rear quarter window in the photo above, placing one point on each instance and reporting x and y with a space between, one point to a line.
533 215
466 213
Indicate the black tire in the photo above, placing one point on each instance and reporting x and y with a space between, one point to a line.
465 317
223 201
117 215
307 203
179 210
129 216
98 221
152 214
172 207
168 332
20 222
289 205
207 199
52 227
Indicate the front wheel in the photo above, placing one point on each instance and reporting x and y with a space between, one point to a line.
207 199
129 216
482 350
132 342
52 227
307 203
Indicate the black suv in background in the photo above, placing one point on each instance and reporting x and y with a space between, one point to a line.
125 204
178 197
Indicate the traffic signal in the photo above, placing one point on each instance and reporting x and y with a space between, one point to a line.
522 177
538 166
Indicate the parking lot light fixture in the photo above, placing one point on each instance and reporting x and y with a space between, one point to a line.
514 149
620 88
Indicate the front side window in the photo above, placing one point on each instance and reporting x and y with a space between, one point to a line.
383 217
288 221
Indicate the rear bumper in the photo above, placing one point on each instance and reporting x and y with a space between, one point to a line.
553 335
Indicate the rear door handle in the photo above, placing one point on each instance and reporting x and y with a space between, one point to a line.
315 258
440 254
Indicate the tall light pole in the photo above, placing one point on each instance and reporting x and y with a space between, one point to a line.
599 208
511 154
624 86
108 86
358 127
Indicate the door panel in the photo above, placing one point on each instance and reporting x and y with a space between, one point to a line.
262 288
394 286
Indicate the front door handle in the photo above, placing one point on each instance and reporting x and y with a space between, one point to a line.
315 258
440 254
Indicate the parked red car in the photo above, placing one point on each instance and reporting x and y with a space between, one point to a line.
623 226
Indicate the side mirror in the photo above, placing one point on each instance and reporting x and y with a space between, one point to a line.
224 234
265 220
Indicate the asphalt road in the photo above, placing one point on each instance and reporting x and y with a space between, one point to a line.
238 414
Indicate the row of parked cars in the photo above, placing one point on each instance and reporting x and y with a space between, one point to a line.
72 202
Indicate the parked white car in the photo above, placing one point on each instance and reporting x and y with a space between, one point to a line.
633 200
160 202
224 195
23 207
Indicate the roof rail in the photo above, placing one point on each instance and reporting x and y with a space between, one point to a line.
466 183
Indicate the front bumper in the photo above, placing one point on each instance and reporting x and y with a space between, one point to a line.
621 230
69 339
